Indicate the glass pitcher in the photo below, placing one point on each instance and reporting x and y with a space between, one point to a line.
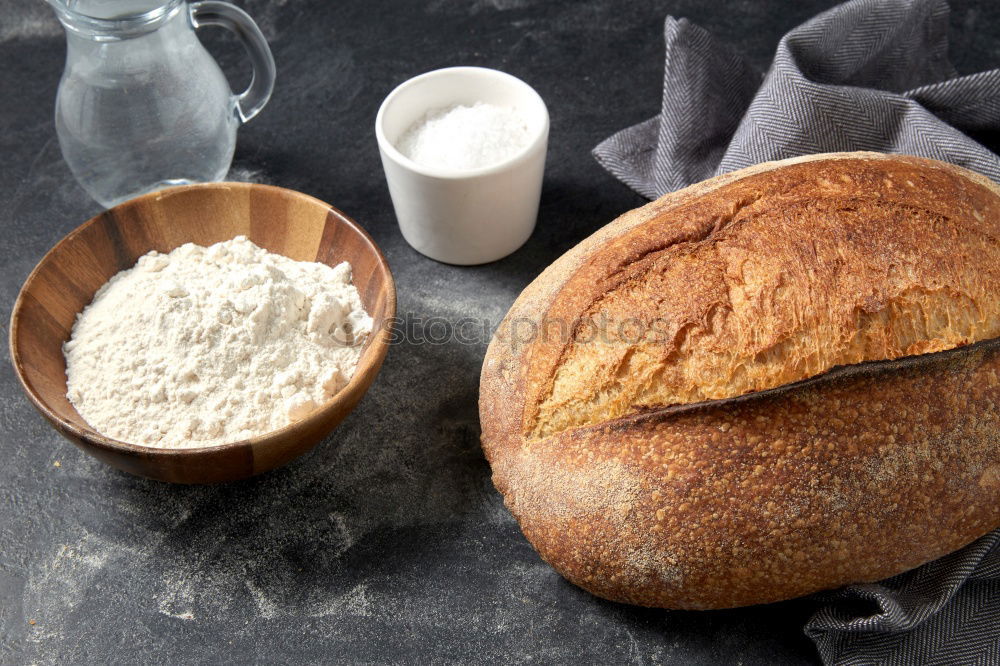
141 104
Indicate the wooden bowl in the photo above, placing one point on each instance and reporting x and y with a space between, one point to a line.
282 221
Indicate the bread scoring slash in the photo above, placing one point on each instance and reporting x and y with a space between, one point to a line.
777 381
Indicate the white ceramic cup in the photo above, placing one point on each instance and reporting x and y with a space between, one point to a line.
471 216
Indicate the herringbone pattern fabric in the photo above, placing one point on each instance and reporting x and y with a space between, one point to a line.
945 612
866 75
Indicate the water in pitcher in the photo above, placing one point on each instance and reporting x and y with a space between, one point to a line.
111 9
141 104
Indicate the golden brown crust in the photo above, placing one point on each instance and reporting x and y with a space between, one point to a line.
852 477
776 277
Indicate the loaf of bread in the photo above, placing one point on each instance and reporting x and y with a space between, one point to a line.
778 381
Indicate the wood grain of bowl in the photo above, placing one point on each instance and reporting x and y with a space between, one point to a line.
279 220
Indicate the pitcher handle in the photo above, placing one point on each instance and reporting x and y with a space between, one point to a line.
214 12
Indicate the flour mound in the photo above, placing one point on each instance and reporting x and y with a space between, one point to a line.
210 345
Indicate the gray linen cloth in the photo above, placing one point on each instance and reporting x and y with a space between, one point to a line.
866 75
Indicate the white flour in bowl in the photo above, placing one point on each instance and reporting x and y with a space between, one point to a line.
210 345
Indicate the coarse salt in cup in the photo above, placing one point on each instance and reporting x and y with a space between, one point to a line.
463 216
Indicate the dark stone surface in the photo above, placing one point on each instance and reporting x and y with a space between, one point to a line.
388 542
